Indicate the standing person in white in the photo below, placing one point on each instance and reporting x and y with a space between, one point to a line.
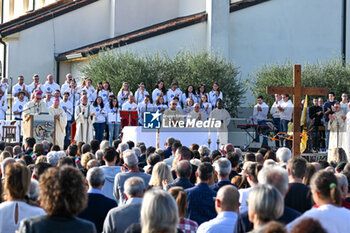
100 119
84 114
35 86
174 92
215 94
124 94
286 113
20 86
68 108
60 122
275 112
66 84
146 106
159 90
130 105
141 93
18 106
50 85
105 92
189 94
261 109
113 119
3 107
337 127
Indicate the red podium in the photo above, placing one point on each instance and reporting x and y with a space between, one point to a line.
128 118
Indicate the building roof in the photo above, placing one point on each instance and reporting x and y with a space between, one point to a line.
41 15
135 36
244 4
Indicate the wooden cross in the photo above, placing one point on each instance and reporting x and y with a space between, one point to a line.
297 91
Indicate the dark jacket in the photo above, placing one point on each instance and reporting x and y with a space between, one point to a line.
182 182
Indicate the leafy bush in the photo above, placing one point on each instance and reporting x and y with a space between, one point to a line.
185 67
330 74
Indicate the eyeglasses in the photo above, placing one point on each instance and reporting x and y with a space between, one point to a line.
174 104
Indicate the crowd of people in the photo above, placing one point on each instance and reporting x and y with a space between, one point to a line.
331 118
100 107
128 187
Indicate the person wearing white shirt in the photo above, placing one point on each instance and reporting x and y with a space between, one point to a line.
174 92
105 92
100 119
4 84
141 93
261 109
160 104
35 86
124 93
18 106
113 120
146 106
215 94
74 94
50 85
3 107
286 112
275 112
159 91
68 108
20 86
189 94
130 105
344 103
48 99
188 107
65 86
205 105
201 91
226 205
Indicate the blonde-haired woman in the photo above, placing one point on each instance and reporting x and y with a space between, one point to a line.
161 175
124 93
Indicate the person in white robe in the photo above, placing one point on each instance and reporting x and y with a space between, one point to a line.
60 122
347 136
34 107
173 92
197 114
84 121
172 116
221 114
337 127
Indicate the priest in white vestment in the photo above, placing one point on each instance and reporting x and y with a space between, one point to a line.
34 107
172 116
60 122
84 119
337 127
197 114
221 114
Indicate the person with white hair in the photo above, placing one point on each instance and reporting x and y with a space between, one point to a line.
131 164
159 212
121 148
283 154
343 186
98 205
204 151
118 219
52 158
277 177
222 170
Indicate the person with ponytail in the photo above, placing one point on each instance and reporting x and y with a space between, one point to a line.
327 197
185 224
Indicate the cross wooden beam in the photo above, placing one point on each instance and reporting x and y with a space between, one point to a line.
297 91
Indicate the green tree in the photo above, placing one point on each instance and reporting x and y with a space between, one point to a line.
185 67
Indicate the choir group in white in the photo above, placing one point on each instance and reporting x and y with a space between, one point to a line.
92 108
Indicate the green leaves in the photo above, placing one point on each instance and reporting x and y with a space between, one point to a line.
330 74
187 68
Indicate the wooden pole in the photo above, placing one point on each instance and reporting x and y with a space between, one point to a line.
296 110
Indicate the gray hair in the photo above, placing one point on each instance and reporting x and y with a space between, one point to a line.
46 144
204 150
342 180
283 154
95 177
4 164
104 144
137 151
52 158
266 201
34 191
123 147
276 176
223 167
134 186
99 155
130 158
159 212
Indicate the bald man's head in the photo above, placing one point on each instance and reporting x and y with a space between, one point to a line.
227 199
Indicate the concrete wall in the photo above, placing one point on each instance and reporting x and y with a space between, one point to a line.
276 31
